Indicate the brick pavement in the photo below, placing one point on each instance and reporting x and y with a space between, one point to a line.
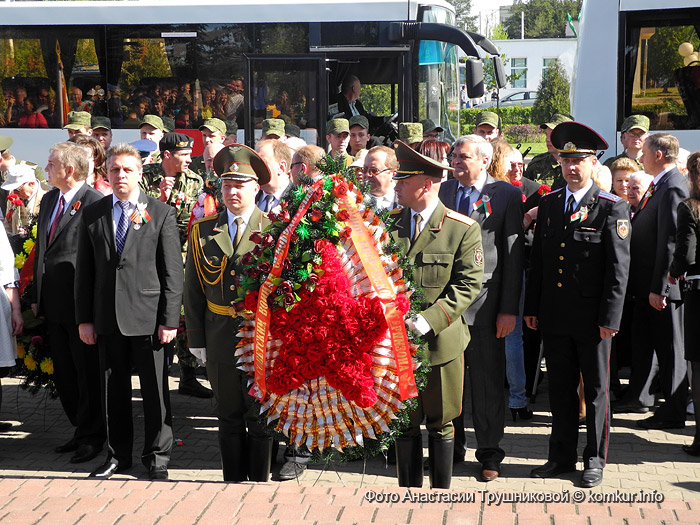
38 486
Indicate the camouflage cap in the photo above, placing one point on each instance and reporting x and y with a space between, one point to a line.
488 117
573 139
273 126
358 120
214 125
412 163
555 120
292 130
153 120
239 162
168 124
338 126
411 132
429 125
175 142
77 120
231 127
636 121
101 123
5 142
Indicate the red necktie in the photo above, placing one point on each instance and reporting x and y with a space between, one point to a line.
57 217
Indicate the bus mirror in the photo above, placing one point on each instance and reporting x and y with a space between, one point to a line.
499 73
474 70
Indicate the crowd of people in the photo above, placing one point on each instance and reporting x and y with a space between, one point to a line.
593 263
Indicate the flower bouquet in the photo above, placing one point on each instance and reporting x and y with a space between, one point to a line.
323 296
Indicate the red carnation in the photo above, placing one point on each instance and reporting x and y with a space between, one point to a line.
319 245
544 189
345 232
523 197
403 304
342 215
256 237
316 214
251 300
340 189
517 183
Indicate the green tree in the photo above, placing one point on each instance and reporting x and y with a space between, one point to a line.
663 54
543 18
552 94
465 20
376 98
499 33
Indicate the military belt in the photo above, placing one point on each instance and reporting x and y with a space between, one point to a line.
221 310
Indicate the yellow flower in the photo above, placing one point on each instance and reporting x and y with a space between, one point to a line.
20 259
28 245
34 231
29 362
46 365
20 351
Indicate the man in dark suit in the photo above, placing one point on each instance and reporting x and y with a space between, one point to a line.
497 207
278 158
217 245
658 311
128 293
574 296
349 103
444 248
76 365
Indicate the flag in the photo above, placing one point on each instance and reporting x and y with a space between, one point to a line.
62 96
571 24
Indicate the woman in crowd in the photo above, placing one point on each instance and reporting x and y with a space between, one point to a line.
622 169
686 266
10 313
30 117
97 175
500 163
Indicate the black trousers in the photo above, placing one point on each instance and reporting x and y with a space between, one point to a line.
566 356
118 355
77 379
659 332
485 359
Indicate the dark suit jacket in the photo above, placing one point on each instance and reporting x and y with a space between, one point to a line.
502 238
686 258
654 238
344 107
578 270
530 189
140 290
205 328
448 266
54 263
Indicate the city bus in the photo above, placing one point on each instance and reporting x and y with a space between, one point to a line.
239 60
639 57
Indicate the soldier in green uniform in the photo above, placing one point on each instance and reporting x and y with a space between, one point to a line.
488 125
217 244
545 168
273 128
338 136
213 132
445 249
635 130
152 128
411 133
173 183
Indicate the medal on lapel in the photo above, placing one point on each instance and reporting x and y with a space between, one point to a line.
581 215
484 201
140 216
75 208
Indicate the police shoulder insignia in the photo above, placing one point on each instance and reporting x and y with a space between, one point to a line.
623 228
609 196
459 217
395 211
478 256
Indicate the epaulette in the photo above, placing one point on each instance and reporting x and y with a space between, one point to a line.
395 211
555 191
459 217
207 218
609 196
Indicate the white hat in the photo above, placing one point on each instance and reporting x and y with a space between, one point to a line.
359 161
18 175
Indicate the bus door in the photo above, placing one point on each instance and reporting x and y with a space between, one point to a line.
287 87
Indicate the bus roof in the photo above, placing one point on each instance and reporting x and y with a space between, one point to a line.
646 5
135 12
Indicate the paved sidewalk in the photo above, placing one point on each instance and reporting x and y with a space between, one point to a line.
38 485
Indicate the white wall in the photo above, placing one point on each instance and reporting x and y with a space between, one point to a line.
535 51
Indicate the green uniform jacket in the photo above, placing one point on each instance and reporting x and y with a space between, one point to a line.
210 238
449 267
543 168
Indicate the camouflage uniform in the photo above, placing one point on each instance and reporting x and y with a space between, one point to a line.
545 170
183 197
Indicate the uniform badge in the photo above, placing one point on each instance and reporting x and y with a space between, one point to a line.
478 256
623 228
137 226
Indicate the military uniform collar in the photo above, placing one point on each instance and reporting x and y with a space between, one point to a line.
579 194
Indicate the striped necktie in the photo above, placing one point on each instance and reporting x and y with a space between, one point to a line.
122 226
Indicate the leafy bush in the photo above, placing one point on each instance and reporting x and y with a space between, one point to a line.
552 94
510 115
523 133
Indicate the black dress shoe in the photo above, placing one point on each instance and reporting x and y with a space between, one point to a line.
85 453
291 470
551 469
693 450
626 407
158 473
655 423
71 446
591 477
108 469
